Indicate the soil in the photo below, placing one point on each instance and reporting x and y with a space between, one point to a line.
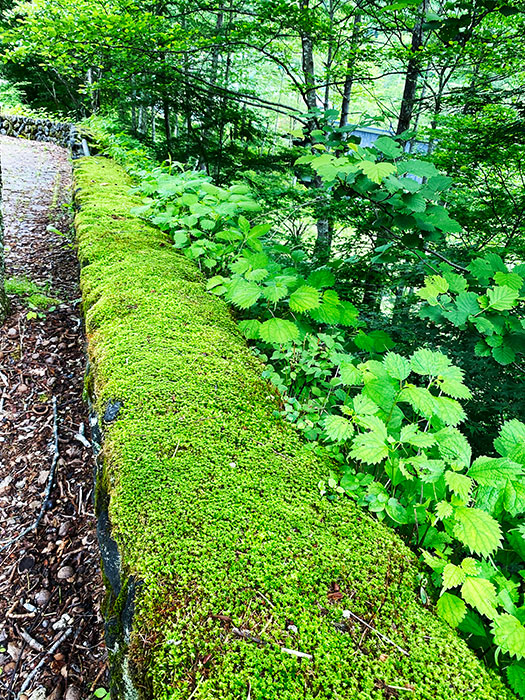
50 584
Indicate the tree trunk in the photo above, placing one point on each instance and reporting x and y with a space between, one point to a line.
4 304
349 79
412 75
323 242
167 125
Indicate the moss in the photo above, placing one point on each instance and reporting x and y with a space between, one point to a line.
214 503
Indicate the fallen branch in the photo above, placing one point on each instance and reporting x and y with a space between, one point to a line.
51 650
49 484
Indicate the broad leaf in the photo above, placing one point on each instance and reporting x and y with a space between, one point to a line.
397 367
304 298
376 171
278 330
338 428
494 471
502 298
453 576
369 448
477 530
481 595
451 609
458 484
509 635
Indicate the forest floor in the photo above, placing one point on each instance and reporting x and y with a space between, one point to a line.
51 631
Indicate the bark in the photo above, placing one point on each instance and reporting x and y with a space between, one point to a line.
4 304
323 242
412 75
349 79
167 124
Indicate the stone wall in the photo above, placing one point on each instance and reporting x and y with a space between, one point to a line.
62 133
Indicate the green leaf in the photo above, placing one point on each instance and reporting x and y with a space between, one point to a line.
434 286
466 305
411 435
350 375
453 446
397 367
453 576
451 609
459 484
388 146
329 311
376 341
396 511
516 678
369 448
250 329
321 278
376 171
338 428
415 202
494 471
477 530
481 595
244 294
503 354
448 410
419 168
439 217
511 440
278 330
509 635
514 498
429 363
502 298
509 279
444 510
420 399
304 298
348 314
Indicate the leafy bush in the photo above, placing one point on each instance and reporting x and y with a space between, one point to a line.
390 422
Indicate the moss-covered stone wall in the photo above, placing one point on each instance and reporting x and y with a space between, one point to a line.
62 133
228 576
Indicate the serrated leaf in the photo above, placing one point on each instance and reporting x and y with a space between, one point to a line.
364 406
244 294
275 291
516 678
503 354
453 576
477 530
321 278
451 609
466 305
350 375
411 435
509 635
369 448
376 171
494 471
444 510
509 279
502 298
250 329
448 410
279 331
420 399
453 446
458 484
397 367
348 314
304 298
337 428
514 498
429 363
511 440
481 595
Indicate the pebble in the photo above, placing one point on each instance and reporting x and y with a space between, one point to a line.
12 333
64 529
42 597
65 572
38 694
73 693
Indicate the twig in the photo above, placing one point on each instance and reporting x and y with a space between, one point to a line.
349 613
33 643
81 438
39 665
49 485
293 652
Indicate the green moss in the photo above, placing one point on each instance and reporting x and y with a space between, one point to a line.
214 503
35 296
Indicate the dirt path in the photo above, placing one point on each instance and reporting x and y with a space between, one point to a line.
50 586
